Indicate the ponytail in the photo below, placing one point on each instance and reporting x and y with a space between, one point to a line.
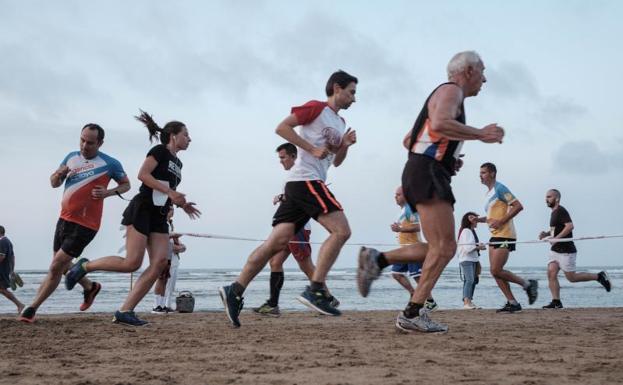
171 128
154 130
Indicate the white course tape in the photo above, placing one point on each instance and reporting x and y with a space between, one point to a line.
547 240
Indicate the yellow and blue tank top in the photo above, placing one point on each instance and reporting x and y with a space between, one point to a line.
497 204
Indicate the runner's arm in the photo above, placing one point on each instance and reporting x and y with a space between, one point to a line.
443 109
565 231
349 138
285 129
516 207
58 177
144 175
123 186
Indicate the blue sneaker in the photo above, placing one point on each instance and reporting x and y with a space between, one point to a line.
233 304
75 273
128 318
317 300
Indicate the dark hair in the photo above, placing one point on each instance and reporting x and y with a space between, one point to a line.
490 167
465 222
171 128
1 230
558 195
93 126
289 148
340 78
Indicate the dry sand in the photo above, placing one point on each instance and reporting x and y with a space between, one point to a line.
578 346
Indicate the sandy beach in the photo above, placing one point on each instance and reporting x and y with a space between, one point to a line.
572 346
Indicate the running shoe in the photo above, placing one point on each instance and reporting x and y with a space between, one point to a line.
421 323
368 269
89 296
12 283
334 301
75 273
431 305
18 279
532 290
508 308
158 310
603 278
233 304
128 318
27 315
317 300
266 309
168 309
553 305
470 306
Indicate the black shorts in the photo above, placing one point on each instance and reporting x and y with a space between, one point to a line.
145 217
71 237
424 178
304 200
509 246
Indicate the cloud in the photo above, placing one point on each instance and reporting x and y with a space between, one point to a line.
511 80
585 157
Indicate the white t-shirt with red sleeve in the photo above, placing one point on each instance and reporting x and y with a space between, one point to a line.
320 126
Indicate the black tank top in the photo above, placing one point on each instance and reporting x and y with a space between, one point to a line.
426 142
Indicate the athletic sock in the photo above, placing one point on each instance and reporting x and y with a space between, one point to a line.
238 289
513 302
316 286
413 309
276 283
382 261
525 285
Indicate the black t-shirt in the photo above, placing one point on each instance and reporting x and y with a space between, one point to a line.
169 169
559 217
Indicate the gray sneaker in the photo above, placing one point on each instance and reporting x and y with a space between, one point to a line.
368 269
422 323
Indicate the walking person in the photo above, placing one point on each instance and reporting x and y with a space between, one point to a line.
86 174
165 284
408 229
299 247
323 141
468 252
146 217
501 207
7 269
434 144
563 255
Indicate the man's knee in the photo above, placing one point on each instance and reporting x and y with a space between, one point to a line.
571 276
496 271
343 233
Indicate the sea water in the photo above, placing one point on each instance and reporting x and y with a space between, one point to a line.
386 293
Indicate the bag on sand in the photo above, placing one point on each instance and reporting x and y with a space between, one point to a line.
185 302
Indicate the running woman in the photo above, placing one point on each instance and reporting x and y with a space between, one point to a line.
434 145
323 141
501 207
563 254
146 218
86 174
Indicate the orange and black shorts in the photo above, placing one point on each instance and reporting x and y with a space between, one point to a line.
304 200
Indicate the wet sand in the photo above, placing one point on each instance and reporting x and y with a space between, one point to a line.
571 346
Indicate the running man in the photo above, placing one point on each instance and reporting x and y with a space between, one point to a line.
434 145
563 254
323 140
408 229
86 174
7 267
287 153
501 207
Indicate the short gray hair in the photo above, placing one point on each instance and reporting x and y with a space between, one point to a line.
462 60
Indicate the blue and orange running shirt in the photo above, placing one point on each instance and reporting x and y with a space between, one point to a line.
78 206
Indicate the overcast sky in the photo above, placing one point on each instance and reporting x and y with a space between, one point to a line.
231 70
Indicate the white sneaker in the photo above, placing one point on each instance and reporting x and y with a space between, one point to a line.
469 306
